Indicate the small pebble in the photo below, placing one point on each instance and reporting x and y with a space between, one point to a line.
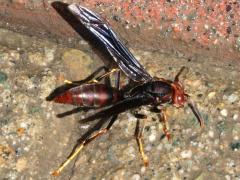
211 134
152 137
196 83
85 126
130 151
224 112
232 98
211 95
159 147
206 26
186 154
36 58
143 169
236 138
228 177
23 125
238 41
21 164
235 116
12 175
148 147
3 77
26 149
131 117
136 177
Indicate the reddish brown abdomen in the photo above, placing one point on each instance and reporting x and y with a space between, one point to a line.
89 95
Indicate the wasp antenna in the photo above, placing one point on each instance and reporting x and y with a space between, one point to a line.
179 73
196 112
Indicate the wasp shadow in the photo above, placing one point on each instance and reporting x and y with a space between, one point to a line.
98 47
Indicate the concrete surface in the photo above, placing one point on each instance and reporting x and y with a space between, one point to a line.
33 141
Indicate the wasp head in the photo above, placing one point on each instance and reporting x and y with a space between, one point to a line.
179 97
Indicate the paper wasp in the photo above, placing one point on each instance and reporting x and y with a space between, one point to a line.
109 101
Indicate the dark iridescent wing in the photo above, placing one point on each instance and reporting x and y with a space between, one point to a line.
120 53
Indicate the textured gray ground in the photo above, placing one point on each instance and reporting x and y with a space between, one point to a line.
33 142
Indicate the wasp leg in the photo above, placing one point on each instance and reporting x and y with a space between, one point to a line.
117 80
83 143
91 78
73 111
161 113
105 75
163 120
138 135
86 139
119 107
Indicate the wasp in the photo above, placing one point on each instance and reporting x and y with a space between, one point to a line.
109 101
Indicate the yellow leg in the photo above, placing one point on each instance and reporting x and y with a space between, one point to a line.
144 157
67 81
104 75
163 119
138 135
79 148
97 79
70 158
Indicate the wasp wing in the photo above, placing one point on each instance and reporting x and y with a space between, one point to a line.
120 53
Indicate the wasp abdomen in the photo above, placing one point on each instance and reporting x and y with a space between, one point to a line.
89 95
